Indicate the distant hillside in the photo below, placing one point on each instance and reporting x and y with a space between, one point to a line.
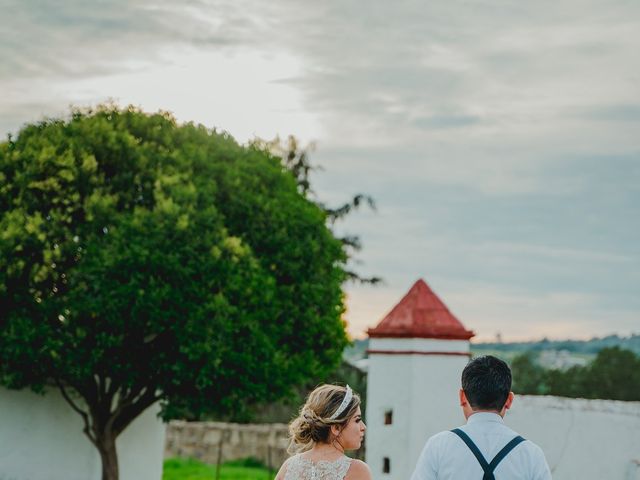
585 348
592 346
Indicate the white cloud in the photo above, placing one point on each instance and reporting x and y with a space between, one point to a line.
499 139
239 93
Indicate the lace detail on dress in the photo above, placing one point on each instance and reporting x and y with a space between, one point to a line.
302 469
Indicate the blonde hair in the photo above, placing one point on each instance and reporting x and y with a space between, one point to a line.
313 423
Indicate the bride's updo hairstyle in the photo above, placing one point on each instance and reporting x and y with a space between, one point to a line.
323 408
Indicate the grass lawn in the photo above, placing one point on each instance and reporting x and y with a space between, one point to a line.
183 469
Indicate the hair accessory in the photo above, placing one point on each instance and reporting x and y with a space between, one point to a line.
345 402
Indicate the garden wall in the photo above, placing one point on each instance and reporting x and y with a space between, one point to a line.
582 439
41 439
214 442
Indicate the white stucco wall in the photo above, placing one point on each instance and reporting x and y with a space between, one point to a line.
41 438
585 439
418 345
418 389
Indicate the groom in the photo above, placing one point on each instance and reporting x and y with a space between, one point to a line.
485 448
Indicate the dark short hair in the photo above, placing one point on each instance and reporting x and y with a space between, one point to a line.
486 382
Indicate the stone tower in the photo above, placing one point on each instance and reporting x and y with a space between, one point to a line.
416 355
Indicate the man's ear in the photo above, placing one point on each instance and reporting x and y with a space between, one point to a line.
463 398
467 410
507 404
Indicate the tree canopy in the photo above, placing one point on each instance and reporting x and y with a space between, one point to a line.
143 260
614 374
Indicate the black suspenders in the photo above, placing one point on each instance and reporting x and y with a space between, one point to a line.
488 467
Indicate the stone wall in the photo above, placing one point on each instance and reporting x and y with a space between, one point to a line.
214 442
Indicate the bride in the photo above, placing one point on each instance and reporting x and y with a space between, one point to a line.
329 423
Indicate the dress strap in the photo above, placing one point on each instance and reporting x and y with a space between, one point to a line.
345 463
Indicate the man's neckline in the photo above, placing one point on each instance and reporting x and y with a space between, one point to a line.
485 417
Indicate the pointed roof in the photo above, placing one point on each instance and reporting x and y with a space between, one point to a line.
421 314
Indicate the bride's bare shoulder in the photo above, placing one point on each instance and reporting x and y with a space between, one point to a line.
358 471
283 469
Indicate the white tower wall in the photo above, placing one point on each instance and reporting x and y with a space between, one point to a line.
418 381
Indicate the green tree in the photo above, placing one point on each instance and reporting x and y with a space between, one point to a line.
145 261
296 160
614 374
528 376
566 383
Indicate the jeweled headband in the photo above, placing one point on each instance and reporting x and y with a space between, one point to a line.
345 402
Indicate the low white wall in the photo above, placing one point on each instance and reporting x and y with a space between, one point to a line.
41 438
585 439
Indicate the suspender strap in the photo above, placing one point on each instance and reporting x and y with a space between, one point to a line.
488 467
504 452
472 446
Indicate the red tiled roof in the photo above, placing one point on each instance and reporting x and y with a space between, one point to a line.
421 314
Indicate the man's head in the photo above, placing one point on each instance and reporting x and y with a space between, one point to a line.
486 386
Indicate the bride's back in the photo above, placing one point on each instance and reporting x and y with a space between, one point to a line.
300 468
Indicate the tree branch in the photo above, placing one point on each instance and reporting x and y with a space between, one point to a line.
85 416
334 214
355 277
134 408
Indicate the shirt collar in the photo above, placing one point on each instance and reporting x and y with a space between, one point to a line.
484 417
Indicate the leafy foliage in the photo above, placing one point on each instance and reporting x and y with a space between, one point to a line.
614 374
296 160
283 410
142 260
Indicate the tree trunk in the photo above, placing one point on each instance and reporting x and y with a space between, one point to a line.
109 456
102 425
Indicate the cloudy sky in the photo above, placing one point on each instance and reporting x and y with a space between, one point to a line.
500 139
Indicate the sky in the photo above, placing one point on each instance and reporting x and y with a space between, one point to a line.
499 139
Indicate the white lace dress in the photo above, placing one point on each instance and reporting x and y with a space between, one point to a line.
300 468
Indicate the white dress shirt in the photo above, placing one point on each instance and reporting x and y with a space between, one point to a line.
447 457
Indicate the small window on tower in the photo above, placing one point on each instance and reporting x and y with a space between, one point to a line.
388 417
386 465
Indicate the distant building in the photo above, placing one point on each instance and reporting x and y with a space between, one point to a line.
560 359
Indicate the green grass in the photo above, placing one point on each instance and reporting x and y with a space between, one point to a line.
189 469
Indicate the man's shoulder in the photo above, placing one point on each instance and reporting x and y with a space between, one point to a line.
440 438
530 450
428 462
533 447
532 458
527 444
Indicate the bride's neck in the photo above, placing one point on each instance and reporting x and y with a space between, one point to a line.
327 450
